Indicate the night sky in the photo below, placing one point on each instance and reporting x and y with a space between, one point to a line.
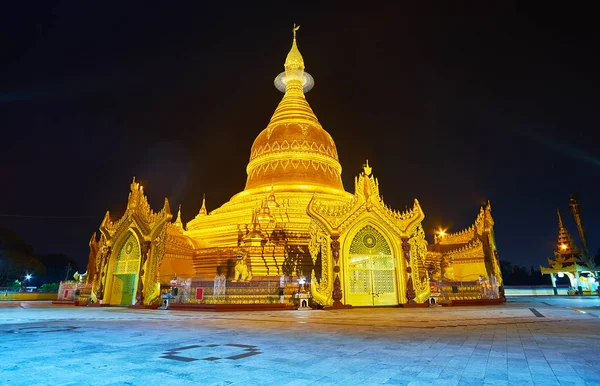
453 105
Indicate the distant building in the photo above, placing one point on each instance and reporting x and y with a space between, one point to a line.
577 265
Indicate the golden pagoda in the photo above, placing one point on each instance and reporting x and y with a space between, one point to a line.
293 220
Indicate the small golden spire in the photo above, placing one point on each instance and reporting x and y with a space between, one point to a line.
178 222
203 208
294 79
564 243
134 185
368 169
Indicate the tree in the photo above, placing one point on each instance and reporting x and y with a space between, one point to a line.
517 275
507 269
16 258
56 267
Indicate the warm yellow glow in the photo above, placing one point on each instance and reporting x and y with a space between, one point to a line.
293 206
563 247
294 149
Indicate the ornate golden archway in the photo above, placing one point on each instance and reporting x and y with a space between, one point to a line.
370 270
124 272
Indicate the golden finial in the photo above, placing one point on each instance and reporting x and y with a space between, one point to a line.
367 169
294 61
135 185
203 211
178 221
294 69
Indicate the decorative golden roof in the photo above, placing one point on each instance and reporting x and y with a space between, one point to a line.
138 212
564 244
337 217
294 152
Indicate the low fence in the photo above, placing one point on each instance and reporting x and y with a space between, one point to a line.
472 290
24 296
257 292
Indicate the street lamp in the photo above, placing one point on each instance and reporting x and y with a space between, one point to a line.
440 234
27 278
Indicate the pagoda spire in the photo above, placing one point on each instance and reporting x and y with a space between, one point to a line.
178 223
294 60
294 79
294 140
203 208
565 243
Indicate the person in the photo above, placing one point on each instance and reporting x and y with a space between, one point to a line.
281 289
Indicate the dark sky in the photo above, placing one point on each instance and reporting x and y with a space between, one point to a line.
451 104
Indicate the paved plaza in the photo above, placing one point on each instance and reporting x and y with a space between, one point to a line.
541 341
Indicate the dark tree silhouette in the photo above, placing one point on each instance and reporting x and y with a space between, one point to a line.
17 258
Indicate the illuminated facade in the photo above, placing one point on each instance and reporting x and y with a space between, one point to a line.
294 218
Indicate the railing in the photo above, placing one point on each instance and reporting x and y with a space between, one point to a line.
475 290
258 292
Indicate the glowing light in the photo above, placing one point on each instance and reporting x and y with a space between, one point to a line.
560 274
441 232
563 247
27 277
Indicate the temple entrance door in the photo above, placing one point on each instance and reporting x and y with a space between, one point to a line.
372 281
370 270
123 289
125 273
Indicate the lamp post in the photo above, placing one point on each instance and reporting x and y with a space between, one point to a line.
27 278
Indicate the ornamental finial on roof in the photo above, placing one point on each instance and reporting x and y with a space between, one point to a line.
367 169
135 185
294 61
203 211
178 221
294 70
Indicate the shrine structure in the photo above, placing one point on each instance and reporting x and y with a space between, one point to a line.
570 261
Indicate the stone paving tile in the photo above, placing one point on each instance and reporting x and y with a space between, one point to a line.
571 381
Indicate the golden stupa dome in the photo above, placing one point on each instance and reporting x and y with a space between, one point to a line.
294 152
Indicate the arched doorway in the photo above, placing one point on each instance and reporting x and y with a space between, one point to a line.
125 272
370 270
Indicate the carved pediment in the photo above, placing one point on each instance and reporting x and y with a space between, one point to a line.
338 217
138 214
